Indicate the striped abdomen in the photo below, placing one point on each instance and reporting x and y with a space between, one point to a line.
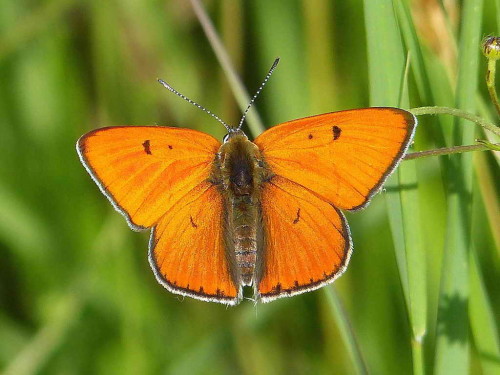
245 241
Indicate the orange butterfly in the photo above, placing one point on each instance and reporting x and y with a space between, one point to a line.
264 214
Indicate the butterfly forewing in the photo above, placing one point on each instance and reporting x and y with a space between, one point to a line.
343 157
144 170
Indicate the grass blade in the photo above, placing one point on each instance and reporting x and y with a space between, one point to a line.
346 331
386 74
452 346
482 319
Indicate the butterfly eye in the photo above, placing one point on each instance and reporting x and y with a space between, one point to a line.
226 138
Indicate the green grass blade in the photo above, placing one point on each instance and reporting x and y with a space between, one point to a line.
386 74
497 5
416 261
386 57
346 331
386 67
452 347
412 43
484 326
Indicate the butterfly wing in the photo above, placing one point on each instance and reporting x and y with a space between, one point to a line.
343 157
307 242
144 170
186 249
160 177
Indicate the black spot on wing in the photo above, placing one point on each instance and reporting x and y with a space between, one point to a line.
220 293
147 146
310 136
296 220
193 224
336 132
277 288
170 147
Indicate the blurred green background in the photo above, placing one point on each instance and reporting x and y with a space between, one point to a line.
77 296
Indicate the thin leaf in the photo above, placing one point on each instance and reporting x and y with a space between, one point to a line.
452 348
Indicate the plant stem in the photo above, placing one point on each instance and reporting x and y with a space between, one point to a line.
458 113
450 151
490 83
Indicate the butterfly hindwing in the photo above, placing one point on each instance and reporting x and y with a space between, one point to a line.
187 251
143 170
344 157
307 242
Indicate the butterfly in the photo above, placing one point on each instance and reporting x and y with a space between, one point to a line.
265 214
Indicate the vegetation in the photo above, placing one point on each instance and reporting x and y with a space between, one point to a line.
77 295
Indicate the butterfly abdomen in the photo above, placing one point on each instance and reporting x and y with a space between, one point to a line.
240 177
244 234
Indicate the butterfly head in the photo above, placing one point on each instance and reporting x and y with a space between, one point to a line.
234 134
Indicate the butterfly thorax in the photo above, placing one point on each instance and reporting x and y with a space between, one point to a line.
240 172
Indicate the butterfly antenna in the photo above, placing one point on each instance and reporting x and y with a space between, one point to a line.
170 88
275 64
